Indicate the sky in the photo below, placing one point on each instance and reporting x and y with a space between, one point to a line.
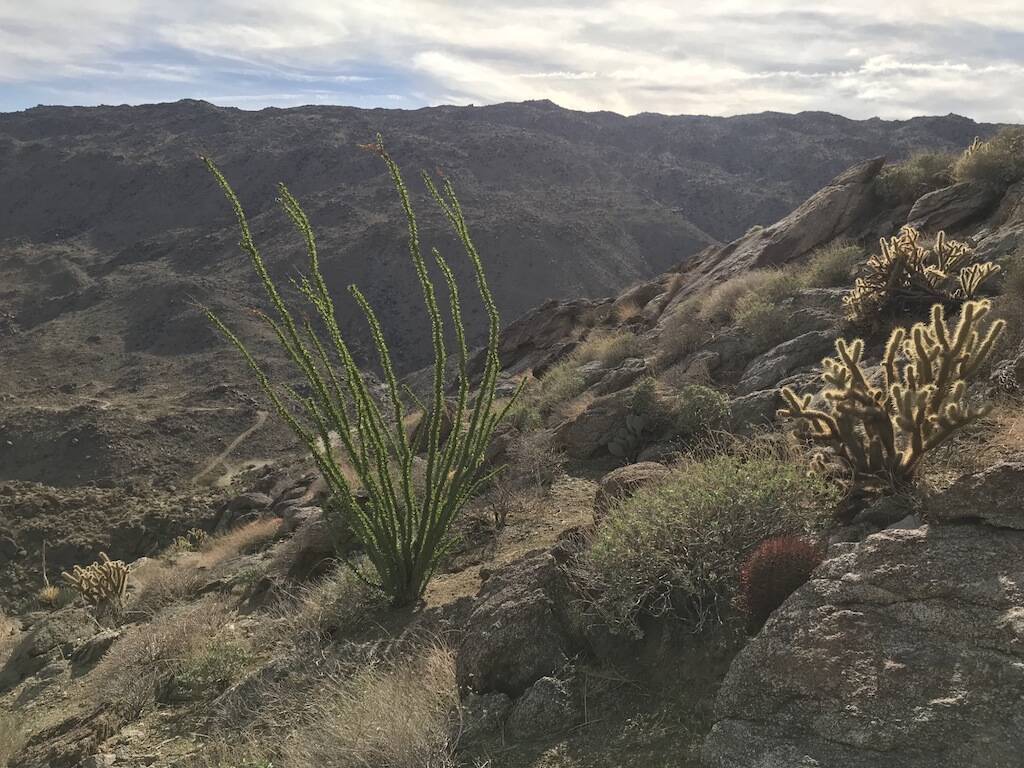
862 59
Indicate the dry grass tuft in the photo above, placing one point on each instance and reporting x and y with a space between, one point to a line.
12 737
164 582
719 306
609 348
397 715
142 665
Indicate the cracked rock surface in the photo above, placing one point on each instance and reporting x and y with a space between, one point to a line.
904 650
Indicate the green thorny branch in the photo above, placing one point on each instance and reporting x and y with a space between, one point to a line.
403 531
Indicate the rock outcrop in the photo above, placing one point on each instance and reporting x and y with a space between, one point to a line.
905 650
515 633
837 209
952 206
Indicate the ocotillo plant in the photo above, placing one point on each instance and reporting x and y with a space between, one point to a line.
403 531
880 433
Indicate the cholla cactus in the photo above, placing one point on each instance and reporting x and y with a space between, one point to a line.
102 584
880 433
192 540
906 271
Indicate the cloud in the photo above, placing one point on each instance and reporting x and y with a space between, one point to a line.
724 57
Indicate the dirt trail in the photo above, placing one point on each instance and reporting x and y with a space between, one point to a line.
221 458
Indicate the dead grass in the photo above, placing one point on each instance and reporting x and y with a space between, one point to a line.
394 715
337 603
12 736
142 664
163 582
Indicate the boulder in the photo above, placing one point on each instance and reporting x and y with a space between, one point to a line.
845 204
774 365
548 706
515 634
92 650
992 496
619 378
749 412
589 432
904 650
623 482
952 206
545 334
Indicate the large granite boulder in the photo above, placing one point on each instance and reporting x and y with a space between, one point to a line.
904 650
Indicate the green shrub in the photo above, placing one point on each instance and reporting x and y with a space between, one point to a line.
922 173
212 669
764 323
609 348
719 306
832 265
403 532
697 411
541 399
997 163
676 546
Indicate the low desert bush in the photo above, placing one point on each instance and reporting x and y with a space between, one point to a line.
831 266
654 414
697 411
543 399
534 457
997 163
677 546
1009 305
402 714
318 612
923 172
208 671
774 570
764 323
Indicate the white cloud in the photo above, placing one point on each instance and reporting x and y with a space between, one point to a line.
706 56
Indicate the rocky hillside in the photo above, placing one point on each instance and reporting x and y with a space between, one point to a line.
655 578
111 230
